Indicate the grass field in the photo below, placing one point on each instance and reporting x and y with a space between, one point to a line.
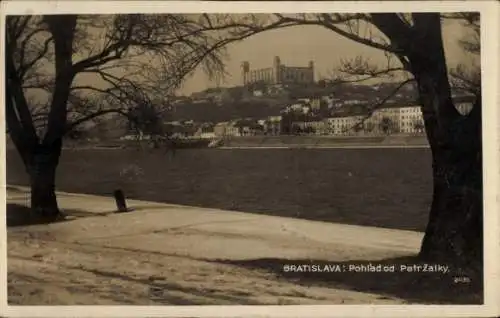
375 187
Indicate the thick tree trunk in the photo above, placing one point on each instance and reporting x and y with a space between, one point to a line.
454 231
42 172
42 158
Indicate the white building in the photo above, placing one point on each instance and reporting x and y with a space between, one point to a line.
410 120
298 108
273 125
226 129
320 127
208 135
343 126
258 93
399 119
274 119
404 120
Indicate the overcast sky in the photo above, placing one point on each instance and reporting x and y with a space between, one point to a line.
296 46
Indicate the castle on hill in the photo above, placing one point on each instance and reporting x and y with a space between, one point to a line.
278 74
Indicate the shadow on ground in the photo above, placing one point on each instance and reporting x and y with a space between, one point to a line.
21 215
416 287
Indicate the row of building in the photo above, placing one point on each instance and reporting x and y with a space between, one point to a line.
383 121
299 118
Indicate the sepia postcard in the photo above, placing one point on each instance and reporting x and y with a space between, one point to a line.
250 159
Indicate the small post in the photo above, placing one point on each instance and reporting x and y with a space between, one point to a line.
121 203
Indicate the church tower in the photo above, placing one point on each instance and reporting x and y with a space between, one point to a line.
311 71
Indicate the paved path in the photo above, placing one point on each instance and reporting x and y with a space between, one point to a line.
217 234
202 256
198 255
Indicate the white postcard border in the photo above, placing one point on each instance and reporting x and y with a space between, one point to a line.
491 128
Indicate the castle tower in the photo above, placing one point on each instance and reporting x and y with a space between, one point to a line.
276 70
245 69
311 70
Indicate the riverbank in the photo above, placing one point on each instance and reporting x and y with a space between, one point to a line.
343 146
393 141
270 142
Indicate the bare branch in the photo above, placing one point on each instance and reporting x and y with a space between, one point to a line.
330 24
27 66
377 105
466 79
75 123
359 69
17 101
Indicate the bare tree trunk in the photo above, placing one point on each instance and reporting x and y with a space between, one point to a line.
42 172
44 156
455 227
454 231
